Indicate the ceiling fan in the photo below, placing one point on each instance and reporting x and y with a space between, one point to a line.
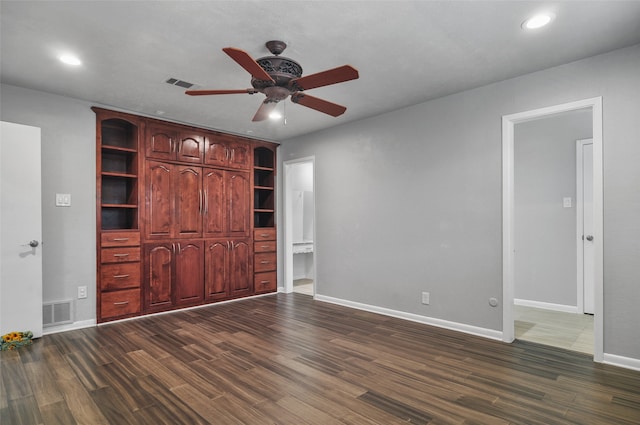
279 77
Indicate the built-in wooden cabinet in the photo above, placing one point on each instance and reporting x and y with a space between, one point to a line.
172 143
173 274
228 268
179 209
264 201
174 201
225 150
118 182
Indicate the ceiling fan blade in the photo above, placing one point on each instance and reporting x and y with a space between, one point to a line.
325 78
264 110
318 104
210 92
248 63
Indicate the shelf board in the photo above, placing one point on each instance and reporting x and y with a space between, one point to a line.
263 210
125 175
118 149
257 167
130 206
263 187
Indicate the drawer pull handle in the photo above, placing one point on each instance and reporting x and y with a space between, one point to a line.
121 303
120 255
264 246
264 262
120 276
264 281
120 239
264 235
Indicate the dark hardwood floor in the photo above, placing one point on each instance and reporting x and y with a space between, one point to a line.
286 359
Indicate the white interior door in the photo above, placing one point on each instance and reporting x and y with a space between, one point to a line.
587 226
21 230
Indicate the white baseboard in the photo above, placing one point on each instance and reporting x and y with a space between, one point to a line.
621 361
69 327
461 327
546 306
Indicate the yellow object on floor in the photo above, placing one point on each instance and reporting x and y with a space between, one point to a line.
14 340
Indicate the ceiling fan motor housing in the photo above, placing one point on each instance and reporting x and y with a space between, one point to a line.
281 69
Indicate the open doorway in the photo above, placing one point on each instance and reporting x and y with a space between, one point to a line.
540 225
299 217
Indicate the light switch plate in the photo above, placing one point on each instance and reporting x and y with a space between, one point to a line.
63 199
566 202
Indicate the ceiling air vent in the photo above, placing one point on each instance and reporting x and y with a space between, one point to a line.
179 83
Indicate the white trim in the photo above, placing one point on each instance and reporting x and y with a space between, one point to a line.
621 361
508 123
546 306
454 326
69 327
287 288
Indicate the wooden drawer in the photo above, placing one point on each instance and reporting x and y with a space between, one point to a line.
119 255
264 262
264 234
120 276
265 282
264 246
120 239
119 303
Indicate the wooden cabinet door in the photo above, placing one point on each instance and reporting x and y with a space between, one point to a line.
160 200
213 187
189 286
161 142
188 201
190 147
238 204
216 151
159 274
239 155
240 270
216 275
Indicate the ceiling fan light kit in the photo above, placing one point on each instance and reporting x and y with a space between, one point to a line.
278 77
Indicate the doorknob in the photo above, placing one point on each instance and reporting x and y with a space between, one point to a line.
34 243
589 238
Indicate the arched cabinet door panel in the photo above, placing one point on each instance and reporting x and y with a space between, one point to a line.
159 272
189 272
216 276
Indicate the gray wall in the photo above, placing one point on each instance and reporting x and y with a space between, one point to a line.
405 202
68 166
410 201
545 231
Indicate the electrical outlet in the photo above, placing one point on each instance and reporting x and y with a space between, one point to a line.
63 199
82 292
425 298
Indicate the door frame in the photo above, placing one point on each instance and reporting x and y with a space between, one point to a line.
508 124
288 222
580 222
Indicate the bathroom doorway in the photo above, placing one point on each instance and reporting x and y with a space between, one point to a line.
299 201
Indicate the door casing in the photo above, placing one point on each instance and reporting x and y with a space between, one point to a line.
508 123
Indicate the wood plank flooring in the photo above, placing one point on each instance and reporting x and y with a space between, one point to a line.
287 359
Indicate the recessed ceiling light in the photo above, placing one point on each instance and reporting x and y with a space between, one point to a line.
70 60
537 21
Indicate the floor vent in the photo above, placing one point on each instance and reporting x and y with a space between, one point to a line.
57 313
179 83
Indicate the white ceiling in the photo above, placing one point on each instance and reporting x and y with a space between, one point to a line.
407 52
